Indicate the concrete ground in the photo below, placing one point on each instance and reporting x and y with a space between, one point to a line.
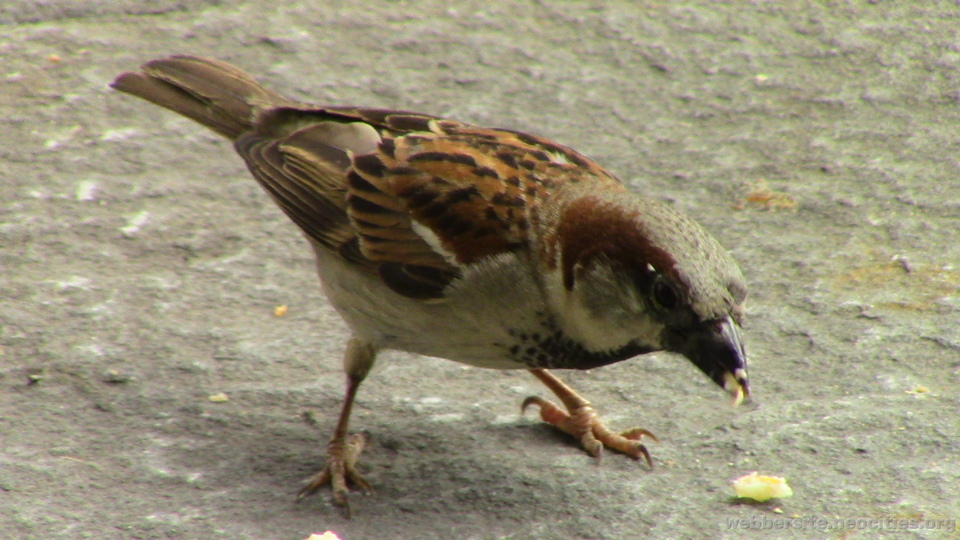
141 267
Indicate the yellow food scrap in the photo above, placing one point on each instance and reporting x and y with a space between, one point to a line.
329 535
219 398
280 311
761 488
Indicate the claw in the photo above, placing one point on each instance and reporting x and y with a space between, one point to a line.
636 433
583 423
340 466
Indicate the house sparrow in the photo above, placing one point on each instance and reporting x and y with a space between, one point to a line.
489 247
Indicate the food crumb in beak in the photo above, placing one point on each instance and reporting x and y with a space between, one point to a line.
732 385
738 396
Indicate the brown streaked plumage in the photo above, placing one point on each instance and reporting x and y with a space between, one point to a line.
485 246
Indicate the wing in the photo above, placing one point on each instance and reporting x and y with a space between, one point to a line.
301 157
429 202
410 197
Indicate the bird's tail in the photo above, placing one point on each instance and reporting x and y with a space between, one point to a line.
213 93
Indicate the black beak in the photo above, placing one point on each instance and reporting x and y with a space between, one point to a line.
716 347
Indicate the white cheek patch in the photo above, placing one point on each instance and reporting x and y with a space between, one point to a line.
596 329
632 299
583 327
606 330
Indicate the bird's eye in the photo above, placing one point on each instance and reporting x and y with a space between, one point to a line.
665 295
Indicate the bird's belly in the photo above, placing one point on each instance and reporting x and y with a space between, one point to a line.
476 323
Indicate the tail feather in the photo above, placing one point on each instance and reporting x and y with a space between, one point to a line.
298 153
213 93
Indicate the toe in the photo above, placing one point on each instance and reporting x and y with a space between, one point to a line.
636 434
340 467
318 480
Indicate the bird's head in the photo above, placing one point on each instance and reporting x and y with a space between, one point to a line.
631 271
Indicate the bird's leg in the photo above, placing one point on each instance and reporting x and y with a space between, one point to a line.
344 449
582 421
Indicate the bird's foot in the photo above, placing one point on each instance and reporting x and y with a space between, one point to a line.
583 422
342 454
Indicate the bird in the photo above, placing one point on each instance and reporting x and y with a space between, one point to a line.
490 247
